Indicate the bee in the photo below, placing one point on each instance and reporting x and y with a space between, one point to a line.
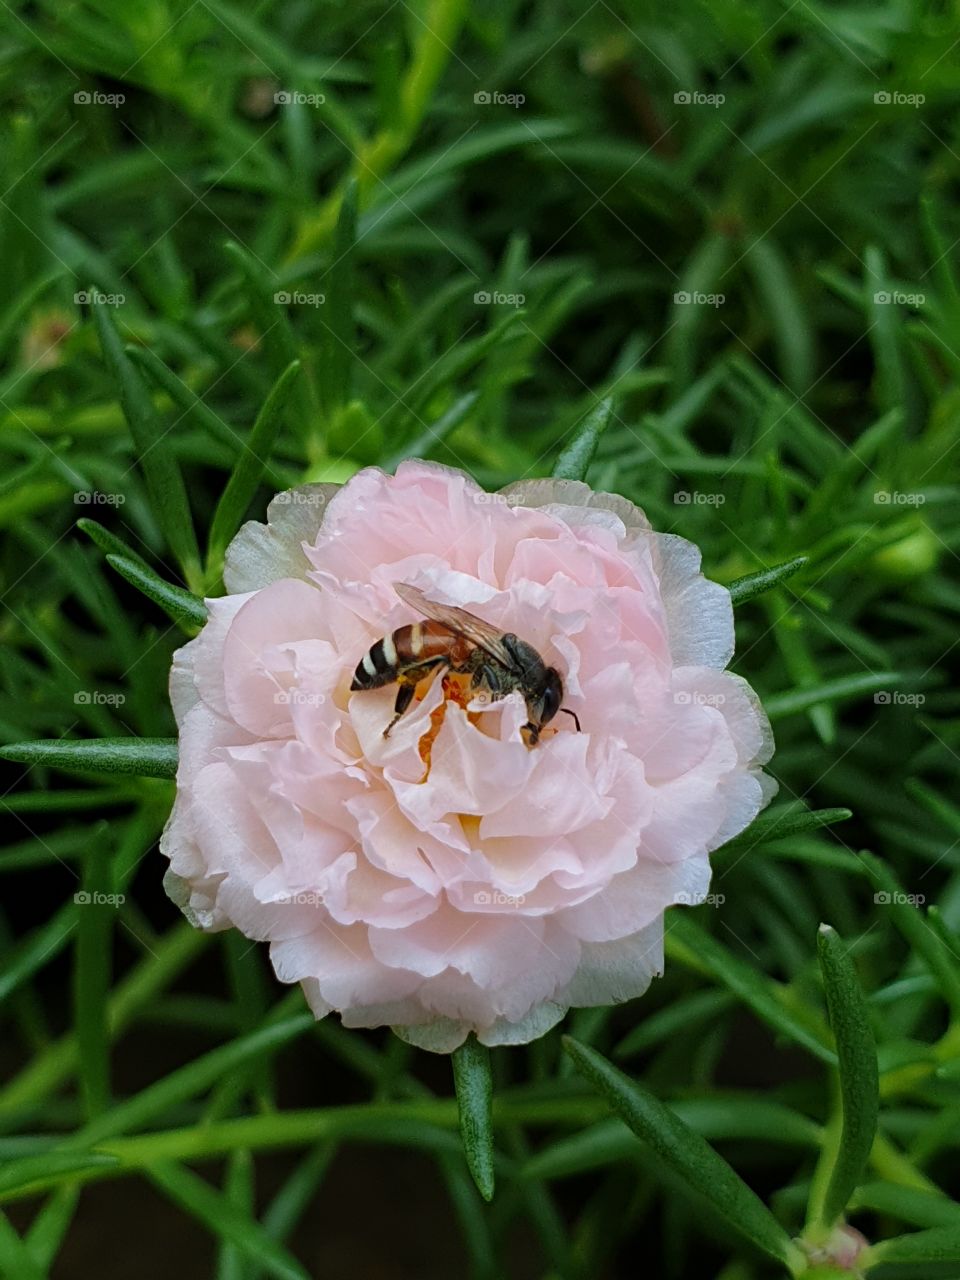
497 662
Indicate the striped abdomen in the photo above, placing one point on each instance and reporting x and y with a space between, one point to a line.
421 644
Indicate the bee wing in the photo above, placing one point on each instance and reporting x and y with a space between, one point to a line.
467 624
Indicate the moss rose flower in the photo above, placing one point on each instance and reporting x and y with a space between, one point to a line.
448 878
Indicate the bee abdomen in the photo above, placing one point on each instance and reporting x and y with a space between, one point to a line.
378 666
411 646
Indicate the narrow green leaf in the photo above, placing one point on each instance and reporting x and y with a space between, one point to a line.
164 482
37 949
195 1196
474 1085
108 542
29 1169
909 920
51 1224
420 445
859 1075
16 1260
777 826
339 344
577 456
190 1080
182 606
769 1000
193 408
908 1204
754 584
684 1151
794 701
939 1244
146 757
251 462
91 978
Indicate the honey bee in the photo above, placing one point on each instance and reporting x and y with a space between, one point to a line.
497 662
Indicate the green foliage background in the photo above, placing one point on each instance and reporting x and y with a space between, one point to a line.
166 1108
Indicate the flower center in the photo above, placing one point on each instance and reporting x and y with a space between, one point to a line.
456 688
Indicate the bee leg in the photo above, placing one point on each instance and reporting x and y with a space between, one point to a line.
484 679
404 698
408 682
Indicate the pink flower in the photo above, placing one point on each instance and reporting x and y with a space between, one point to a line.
448 879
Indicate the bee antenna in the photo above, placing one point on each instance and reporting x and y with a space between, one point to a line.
576 718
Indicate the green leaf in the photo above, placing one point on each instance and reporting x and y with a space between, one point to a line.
250 465
474 1085
36 949
768 1000
165 485
777 826
908 1204
859 1075
195 1196
685 1152
939 1244
108 542
183 607
190 1080
754 584
146 757
910 922
91 979
339 343
577 456
793 701
29 1169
